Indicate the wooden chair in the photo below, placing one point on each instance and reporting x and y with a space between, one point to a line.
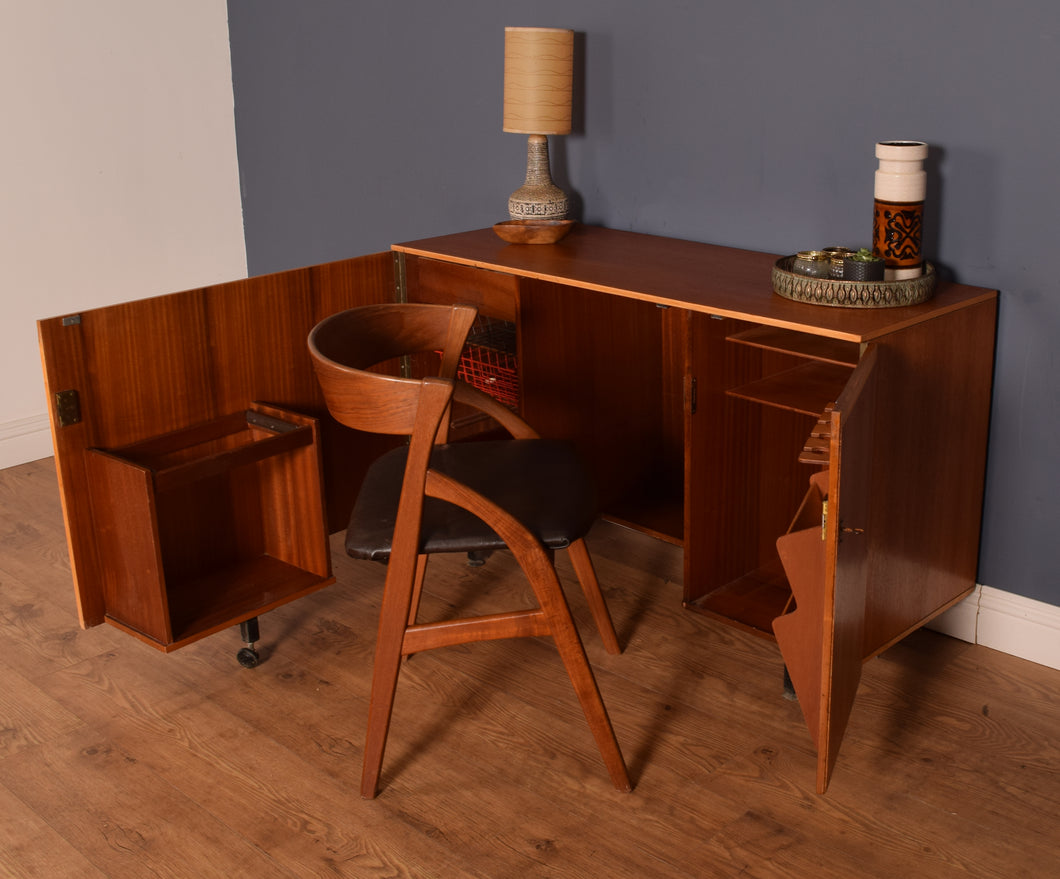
525 493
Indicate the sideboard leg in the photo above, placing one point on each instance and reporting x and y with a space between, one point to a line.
248 656
789 687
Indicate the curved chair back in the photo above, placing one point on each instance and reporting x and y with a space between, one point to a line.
346 345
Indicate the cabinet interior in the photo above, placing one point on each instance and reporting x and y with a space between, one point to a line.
200 527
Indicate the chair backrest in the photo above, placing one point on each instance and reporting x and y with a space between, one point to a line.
346 345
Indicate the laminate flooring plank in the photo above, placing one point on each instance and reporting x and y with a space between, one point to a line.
30 848
1001 749
30 504
118 760
307 821
124 818
875 826
1043 757
527 667
455 738
664 685
519 761
28 716
39 630
304 820
38 635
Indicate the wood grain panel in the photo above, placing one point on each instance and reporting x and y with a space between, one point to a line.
255 334
125 521
149 367
685 274
446 283
800 633
929 465
66 370
744 482
848 535
593 372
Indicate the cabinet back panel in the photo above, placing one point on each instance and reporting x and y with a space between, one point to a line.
593 372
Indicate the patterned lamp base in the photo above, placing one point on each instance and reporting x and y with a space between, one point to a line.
538 198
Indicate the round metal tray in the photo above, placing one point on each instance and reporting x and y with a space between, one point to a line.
851 294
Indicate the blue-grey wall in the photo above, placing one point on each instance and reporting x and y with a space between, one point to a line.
749 124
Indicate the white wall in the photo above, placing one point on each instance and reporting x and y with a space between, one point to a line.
118 168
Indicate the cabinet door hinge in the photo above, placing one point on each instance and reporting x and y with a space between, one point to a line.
401 292
693 395
67 408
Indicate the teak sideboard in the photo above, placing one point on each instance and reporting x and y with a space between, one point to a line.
822 467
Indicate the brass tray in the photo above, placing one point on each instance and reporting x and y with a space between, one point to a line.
851 294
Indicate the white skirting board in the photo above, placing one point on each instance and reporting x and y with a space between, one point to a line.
1003 621
1000 620
25 439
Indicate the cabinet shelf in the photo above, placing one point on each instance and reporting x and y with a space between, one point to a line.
821 348
807 389
228 595
199 452
750 602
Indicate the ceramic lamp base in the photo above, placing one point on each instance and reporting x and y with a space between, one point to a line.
538 198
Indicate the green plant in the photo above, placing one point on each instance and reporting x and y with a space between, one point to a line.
865 255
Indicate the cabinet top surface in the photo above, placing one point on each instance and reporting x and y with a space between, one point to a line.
685 274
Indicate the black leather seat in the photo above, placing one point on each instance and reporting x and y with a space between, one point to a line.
541 482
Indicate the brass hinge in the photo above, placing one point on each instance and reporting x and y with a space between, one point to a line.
843 529
67 408
401 292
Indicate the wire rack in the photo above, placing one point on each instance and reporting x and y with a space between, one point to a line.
489 361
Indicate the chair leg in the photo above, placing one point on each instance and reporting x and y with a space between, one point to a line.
417 587
565 635
583 567
393 616
417 592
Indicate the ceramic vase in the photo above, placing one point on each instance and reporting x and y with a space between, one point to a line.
898 210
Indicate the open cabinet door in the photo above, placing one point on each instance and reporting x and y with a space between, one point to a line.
825 557
120 375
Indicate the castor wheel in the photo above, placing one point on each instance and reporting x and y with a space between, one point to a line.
248 657
477 558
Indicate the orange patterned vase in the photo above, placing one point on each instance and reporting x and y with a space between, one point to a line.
898 214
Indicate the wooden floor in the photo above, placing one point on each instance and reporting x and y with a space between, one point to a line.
117 760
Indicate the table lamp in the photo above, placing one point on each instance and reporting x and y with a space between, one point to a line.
538 72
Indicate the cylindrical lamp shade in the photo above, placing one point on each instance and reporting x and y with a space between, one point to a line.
538 72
